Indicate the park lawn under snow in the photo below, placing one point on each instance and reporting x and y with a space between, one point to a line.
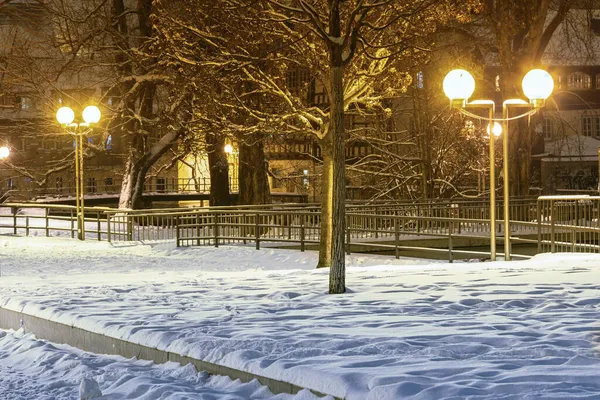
405 329
35 369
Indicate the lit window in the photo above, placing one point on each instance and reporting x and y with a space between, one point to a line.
586 125
419 80
109 142
579 80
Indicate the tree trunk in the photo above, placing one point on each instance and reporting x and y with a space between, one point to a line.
326 238
219 170
136 168
253 180
337 271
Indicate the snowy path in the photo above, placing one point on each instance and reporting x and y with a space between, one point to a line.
35 369
421 331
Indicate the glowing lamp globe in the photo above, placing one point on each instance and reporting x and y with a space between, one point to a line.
538 85
459 84
91 114
496 129
4 152
228 149
65 115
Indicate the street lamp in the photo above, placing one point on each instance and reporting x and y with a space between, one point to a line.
4 152
458 86
65 116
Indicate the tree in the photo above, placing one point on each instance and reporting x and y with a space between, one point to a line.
359 38
522 32
351 50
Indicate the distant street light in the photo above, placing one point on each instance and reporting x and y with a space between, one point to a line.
496 129
458 86
4 152
228 148
65 116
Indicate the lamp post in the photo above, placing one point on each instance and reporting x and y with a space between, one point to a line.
459 85
232 155
65 116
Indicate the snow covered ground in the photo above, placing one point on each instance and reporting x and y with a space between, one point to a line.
405 329
32 369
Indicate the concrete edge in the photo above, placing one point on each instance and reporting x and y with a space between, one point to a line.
98 343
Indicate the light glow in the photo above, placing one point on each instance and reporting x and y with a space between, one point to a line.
538 84
496 129
459 84
4 152
65 115
91 114
228 148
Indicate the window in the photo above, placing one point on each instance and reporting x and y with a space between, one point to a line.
109 142
276 180
579 80
419 80
595 26
548 128
91 185
161 185
108 185
26 103
590 126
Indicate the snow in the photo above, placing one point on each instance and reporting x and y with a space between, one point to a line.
406 328
35 369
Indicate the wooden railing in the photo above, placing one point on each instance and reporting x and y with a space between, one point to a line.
564 223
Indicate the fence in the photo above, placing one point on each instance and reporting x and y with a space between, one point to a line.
555 224
568 223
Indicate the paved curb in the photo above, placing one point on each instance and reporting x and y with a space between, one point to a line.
97 343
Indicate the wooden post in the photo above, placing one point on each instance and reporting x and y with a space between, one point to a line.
396 237
450 244
108 226
216 229
15 210
302 222
129 227
46 220
552 217
99 225
197 228
177 235
539 227
257 231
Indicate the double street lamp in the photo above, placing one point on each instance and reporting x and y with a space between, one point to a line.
458 86
65 116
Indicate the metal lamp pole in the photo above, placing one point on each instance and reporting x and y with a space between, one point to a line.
65 116
491 107
537 84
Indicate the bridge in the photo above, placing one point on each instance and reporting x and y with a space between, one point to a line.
156 190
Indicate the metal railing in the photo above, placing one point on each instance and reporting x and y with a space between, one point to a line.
98 187
552 224
568 224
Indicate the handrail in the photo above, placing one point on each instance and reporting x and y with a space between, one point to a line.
369 225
